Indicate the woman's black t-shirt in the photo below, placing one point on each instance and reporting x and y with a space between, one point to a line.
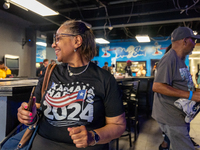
72 101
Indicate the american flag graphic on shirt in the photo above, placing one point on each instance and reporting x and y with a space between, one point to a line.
67 99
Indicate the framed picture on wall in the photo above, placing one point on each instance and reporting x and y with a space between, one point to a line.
120 65
136 65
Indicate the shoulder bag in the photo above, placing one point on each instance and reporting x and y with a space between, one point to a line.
30 133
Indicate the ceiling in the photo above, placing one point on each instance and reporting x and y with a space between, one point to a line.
157 18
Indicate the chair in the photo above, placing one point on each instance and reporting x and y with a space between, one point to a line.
144 92
129 96
133 113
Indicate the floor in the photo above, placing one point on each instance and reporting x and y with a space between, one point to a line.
150 135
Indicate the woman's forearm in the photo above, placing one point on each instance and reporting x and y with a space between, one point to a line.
111 130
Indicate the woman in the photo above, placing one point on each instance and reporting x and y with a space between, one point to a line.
82 106
4 70
141 72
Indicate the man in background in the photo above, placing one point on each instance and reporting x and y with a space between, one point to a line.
42 69
106 67
173 81
4 71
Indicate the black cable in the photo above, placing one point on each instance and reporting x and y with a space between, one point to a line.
174 4
130 13
78 8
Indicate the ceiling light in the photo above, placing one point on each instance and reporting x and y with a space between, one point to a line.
18 5
194 58
195 32
142 38
34 6
101 41
41 44
195 52
110 28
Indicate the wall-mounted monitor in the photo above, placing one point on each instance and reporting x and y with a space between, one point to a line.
11 61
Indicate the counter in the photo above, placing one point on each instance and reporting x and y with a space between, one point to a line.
12 94
9 88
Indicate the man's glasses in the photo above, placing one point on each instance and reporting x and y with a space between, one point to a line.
194 40
56 37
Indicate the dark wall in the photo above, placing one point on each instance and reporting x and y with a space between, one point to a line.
49 39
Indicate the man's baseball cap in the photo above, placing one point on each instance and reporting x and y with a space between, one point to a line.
183 32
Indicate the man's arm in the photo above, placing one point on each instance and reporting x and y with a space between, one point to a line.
125 69
8 71
165 89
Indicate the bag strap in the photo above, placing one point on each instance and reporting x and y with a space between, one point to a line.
46 78
32 138
30 134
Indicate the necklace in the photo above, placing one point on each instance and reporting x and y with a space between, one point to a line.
71 73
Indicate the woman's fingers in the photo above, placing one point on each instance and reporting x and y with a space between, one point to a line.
25 116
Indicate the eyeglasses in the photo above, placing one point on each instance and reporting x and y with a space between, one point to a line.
194 40
56 37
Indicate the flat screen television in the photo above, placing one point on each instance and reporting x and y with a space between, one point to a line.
11 61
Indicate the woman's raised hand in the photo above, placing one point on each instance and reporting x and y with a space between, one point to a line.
24 116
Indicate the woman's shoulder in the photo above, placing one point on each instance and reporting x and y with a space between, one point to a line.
97 68
59 70
60 66
98 71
